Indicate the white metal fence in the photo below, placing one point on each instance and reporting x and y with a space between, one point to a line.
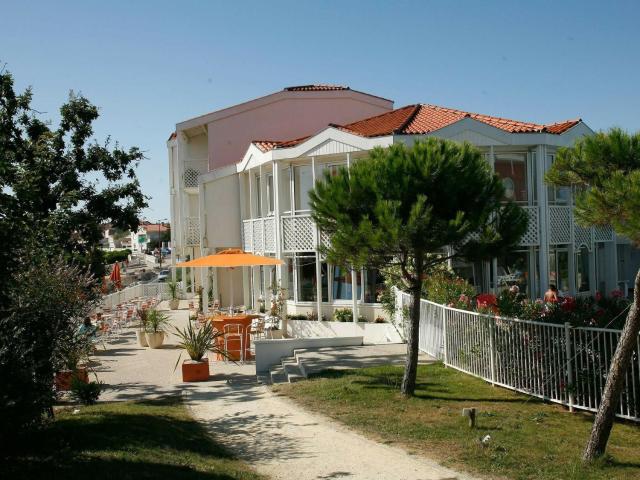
557 363
140 290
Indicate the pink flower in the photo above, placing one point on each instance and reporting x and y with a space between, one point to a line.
617 294
598 296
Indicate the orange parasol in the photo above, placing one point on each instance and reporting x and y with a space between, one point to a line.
115 276
231 258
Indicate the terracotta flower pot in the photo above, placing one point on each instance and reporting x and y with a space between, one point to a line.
142 338
194 371
155 340
174 303
62 379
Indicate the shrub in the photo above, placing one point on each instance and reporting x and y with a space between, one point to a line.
85 393
446 288
380 319
297 316
116 256
343 315
313 316
48 300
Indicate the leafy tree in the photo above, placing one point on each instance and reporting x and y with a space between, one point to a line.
56 184
57 187
604 170
402 206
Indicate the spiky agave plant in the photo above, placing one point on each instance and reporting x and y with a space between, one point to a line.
198 341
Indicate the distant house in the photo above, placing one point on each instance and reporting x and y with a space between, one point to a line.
240 177
148 233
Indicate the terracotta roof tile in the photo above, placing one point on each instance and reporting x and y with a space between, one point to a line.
321 87
268 145
422 118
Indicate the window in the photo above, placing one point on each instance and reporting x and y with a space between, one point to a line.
306 278
302 184
512 169
513 269
285 191
341 288
582 270
333 169
559 270
288 282
258 197
373 286
270 195
557 195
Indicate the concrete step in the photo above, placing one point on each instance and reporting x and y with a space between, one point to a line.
293 370
278 375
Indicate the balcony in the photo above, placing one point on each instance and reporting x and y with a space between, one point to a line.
299 232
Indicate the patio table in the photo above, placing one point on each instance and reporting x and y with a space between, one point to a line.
219 321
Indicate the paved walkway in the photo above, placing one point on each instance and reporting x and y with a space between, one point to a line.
280 439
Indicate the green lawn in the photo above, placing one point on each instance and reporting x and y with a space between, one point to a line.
121 441
529 439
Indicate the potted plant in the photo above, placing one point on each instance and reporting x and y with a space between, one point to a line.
141 333
197 342
278 313
174 303
156 321
73 356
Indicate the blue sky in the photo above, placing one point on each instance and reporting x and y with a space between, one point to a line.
148 65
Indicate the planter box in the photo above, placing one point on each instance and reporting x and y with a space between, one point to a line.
62 380
174 304
373 333
193 371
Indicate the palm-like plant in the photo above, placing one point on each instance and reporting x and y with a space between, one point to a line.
173 289
198 341
156 321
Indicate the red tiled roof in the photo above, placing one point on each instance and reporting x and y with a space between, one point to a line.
321 87
172 136
268 145
422 118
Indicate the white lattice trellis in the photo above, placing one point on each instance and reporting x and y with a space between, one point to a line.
298 234
192 231
269 235
247 236
560 224
582 237
258 244
191 178
603 233
532 234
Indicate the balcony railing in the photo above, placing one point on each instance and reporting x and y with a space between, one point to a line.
299 232
259 235
192 231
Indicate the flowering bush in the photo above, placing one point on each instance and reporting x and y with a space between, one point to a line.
445 288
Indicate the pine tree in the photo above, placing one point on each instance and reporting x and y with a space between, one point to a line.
402 206
604 170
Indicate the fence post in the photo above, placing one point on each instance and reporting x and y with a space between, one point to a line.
444 334
569 354
492 349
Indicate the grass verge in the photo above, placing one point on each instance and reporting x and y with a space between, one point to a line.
157 439
529 439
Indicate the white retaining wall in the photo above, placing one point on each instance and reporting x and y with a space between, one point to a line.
370 332
270 352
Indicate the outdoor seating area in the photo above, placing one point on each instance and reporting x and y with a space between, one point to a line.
110 322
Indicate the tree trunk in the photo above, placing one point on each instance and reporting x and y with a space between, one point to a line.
411 366
603 422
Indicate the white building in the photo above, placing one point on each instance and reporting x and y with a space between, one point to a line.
240 178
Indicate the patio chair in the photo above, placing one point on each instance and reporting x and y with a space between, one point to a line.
234 332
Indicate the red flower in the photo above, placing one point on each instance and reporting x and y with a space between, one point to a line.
487 301
569 304
598 296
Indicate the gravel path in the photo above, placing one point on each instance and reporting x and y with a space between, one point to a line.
277 437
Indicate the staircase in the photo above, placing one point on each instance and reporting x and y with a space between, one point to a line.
306 361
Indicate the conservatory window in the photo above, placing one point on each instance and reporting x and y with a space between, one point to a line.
303 183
